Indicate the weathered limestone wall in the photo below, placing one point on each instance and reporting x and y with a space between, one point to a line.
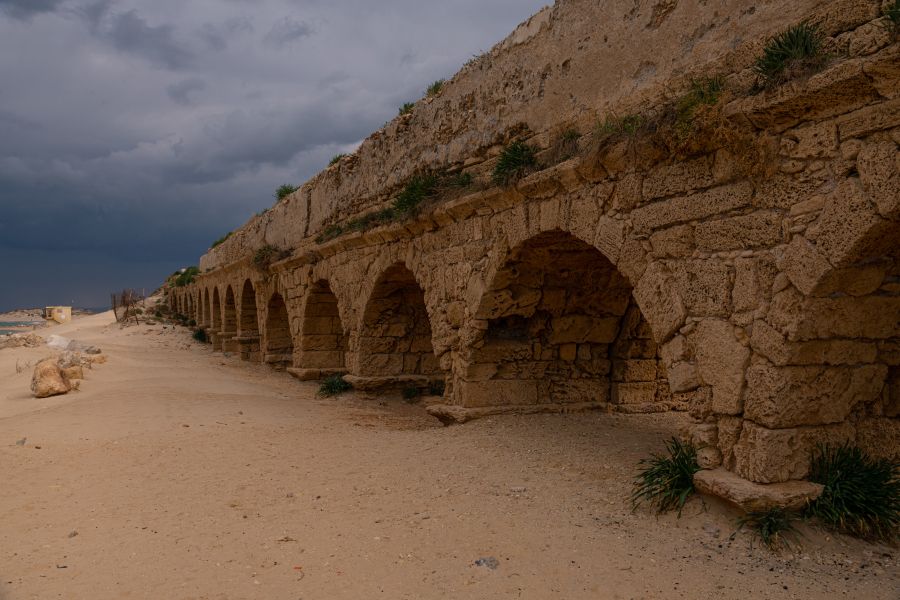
764 301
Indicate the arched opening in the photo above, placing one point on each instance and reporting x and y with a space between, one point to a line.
323 342
560 326
248 325
395 338
216 320
279 343
204 308
229 322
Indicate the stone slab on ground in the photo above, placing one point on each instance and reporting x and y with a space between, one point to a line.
792 495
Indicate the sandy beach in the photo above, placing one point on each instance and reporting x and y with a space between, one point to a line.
178 473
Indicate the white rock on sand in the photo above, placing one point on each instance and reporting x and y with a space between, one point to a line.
49 380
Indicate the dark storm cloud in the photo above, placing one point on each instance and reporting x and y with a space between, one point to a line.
179 92
134 133
23 9
288 30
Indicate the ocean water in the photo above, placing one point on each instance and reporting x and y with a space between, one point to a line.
5 326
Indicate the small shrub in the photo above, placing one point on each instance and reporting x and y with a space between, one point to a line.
268 254
435 88
200 336
566 146
222 239
406 108
773 527
411 393
417 189
460 180
186 277
158 314
516 160
192 323
793 52
284 191
861 496
334 385
436 388
667 481
336 159
329 233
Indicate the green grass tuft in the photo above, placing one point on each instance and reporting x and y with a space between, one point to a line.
284 190
267 255
187 277
773 527
336 159
703 92
794 51
667 481
892 12
861 496
627 126
417 189
200 336
221 240
516 160
407 108
435 88
334 385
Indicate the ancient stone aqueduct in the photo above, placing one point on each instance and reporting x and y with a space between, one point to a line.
627 277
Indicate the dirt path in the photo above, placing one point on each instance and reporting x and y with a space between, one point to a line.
181 474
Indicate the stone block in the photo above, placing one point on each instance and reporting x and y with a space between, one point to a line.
674 242
799 318
583 329
816 140
568 352
879 437
679 177
683 377
500 392
774 455
659 302
782 397
867 120
750 496
688 208
721 361
704 286
634 370
320 359
878 172
850 228
633 393
761 228
804 265
768 342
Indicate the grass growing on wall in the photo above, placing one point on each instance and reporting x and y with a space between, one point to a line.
284 191
435 88
221 240
515 161
187 277
794 52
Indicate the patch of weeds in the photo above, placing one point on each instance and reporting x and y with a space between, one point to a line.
200 336
330 232
334 385
158 314
773 527
411 393
268 254
435 88
516 161
221 240
666 481
703 92
436 388
407 108
794 52
627 126
284 191
861 495
336 159
187 277
892 12
192 323
416 190
565 146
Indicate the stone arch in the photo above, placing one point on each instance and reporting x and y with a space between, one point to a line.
323 338
279 341
216 318
395 337
248 324
229 321
559 324
206 308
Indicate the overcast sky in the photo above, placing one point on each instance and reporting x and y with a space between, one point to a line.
133 133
